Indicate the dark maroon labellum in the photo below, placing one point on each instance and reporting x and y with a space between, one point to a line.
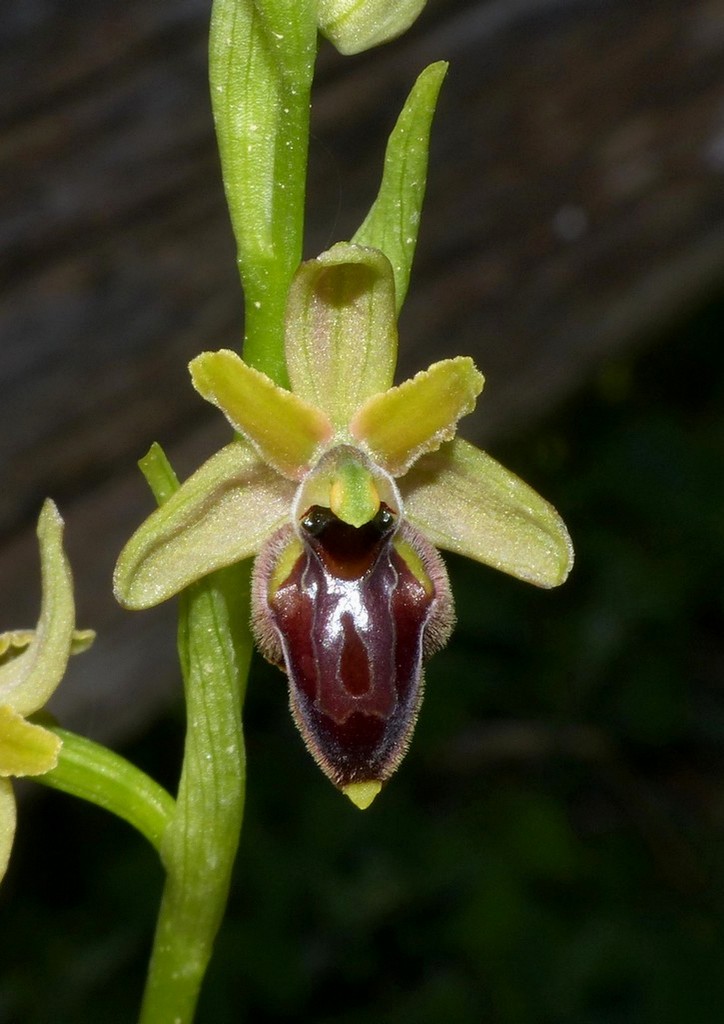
356 614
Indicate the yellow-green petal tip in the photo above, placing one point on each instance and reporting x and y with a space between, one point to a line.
362 793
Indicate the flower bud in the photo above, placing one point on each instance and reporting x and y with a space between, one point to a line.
357 25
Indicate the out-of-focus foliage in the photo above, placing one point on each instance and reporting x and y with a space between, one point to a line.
551 851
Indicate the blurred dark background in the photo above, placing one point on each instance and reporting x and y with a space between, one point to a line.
550 851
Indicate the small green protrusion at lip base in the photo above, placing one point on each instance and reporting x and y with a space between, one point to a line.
353 494
362 793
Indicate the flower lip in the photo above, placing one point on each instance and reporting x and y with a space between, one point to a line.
347 552
352 617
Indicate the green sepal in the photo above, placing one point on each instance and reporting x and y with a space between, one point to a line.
285 430
393 221
464 501
357 25
341 334
222 514
28 680
408 421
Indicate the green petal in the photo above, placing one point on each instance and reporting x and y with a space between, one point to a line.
14 642
341 341
464 501
25 749
7 824
357 25
220 515
285 430
415 418
28 680
394 218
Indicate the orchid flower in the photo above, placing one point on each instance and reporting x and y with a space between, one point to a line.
342 488
32 663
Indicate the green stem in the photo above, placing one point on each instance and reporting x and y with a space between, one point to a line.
202 840
92 772
200 844
261 63
261 67
265 294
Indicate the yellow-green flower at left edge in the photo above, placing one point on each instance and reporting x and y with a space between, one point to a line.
32 664
342 488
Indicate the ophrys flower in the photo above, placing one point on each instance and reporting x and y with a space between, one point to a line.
342 488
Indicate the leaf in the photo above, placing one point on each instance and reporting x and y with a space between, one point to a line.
394 218
261 61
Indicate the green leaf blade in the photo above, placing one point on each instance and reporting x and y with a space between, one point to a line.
393 221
